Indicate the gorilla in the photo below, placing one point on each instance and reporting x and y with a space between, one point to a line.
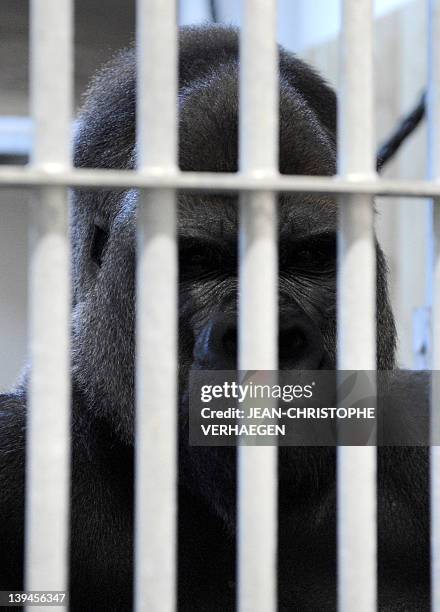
103 236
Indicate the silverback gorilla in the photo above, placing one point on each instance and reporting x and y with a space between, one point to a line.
103 234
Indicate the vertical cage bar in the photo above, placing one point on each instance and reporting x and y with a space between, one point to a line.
356 466
156 307
433 108
48 443
258 319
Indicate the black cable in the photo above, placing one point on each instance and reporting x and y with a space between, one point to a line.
406 126
213 9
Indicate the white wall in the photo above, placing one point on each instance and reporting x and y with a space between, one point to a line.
99 31
402 224
13 284
301 23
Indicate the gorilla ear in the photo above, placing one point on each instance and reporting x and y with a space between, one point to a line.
99 241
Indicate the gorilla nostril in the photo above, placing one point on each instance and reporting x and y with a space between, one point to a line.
230 341
300 344
291 341
216 344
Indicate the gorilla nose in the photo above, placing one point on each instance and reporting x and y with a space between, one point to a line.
300 347
216 345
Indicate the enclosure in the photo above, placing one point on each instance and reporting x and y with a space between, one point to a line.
370 100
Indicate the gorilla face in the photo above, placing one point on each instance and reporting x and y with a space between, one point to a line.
208 236
104 229
208 292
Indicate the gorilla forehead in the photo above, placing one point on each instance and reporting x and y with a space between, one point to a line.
208 128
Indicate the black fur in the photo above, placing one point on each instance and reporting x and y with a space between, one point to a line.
103 230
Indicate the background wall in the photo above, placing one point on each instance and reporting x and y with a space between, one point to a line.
403 224
308 28
101 28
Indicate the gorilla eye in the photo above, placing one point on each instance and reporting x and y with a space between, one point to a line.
100 238
317 253
198 259
305 254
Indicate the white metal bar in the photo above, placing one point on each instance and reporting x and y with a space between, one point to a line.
48 445
258 329
156 361
356 466
18 176
433 113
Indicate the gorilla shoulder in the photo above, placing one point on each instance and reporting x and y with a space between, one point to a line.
12 424
12 475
